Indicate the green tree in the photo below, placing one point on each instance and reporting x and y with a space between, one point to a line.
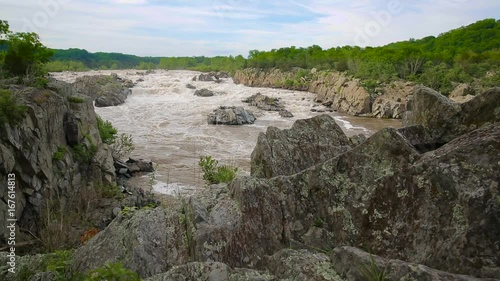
4 28
25 54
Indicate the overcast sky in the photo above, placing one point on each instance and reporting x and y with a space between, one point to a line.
232 27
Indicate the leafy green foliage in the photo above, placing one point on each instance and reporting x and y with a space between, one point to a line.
106 131
60 261
461 55
122 146
60 153
25 54
84 154
59 66
108 190
112 272
10 111
128 211
4 27
213 173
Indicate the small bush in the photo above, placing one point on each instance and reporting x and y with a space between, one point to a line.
213 173
108 191
58 263
74 99
10 111
106 131
40 83
122 146
60 153
112 272
84 154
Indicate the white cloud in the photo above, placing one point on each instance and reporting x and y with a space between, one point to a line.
199 27
130 2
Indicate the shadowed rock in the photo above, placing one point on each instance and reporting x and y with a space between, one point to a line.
445 119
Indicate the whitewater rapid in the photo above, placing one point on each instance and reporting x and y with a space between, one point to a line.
168 123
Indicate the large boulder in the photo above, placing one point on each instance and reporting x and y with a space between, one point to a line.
204 93
147 242
307 143
446 119
439 209
387 108
231 115
264 102
392 99
356 265
462 93
106 90
210 271
212 77
342 93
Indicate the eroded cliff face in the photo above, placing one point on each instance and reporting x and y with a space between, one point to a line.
338 90
40 152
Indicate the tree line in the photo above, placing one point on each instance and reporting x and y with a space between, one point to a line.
468 54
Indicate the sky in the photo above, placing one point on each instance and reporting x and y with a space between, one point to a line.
233 27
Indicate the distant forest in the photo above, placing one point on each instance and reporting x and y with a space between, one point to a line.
463 55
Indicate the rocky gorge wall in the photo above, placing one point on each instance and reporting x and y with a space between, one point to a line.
338 90
39 152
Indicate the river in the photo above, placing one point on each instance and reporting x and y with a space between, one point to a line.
168 123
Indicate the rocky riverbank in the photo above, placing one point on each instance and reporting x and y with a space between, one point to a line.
106 90
65 175
424 200
342 92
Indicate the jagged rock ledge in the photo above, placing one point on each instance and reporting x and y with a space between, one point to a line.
106 90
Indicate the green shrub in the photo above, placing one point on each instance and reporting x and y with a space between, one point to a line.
213 173
40 83
74 99
106 131
60 153
58 263
10 111
84 154
108 190
112 272
122 146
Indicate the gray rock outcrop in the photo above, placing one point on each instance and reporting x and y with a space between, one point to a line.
445 119
56 149
264 102
106 90
308 142
204 93
343 259
342 93
230 115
